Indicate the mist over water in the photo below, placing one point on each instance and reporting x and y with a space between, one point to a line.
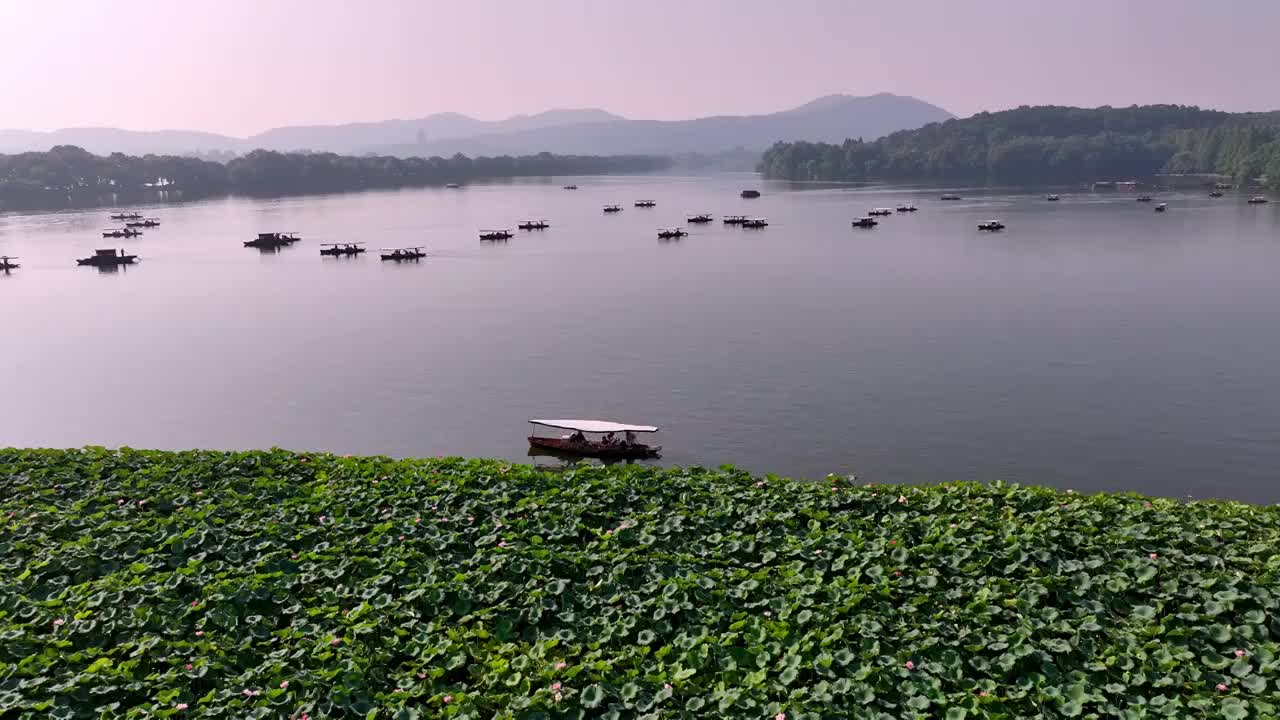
1092 345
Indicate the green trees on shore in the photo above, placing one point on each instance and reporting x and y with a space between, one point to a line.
67 176
1049 144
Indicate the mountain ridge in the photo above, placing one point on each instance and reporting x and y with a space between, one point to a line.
588 131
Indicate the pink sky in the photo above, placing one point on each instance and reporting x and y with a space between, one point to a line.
242 66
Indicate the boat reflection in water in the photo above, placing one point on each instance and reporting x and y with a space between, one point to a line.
595 438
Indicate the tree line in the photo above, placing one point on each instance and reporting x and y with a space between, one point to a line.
68 176
1049 144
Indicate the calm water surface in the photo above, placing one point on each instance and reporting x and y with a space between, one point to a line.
1093 345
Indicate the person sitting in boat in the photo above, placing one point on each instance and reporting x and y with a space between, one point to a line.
609 439
629 438
578 437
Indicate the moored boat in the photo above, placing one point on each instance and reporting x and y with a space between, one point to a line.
879 212
341 249
671 233
1162 207
107 257
452 186
121 233
1052 198
404 254
734 219
907 208
1257 200
148 223
612 208
748 194
992 225
949 196
533 225
596 438
865 222
270 240
1215 193
570 187
1143 198
125 216
699 218
755 223
5 265
645 203
496 235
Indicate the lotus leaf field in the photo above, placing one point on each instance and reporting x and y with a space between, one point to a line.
280 585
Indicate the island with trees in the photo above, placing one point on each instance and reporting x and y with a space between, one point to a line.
68 176
1049 144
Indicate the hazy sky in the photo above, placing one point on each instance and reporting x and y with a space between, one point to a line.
242 66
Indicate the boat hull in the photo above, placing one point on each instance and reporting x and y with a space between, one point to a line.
590 449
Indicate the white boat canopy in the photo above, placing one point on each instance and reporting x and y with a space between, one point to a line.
595 426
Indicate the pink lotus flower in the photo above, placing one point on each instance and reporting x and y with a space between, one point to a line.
195 603
1153 556
953 526
893 542
1222 687
402 537
780 716
666 686
399 690
557 697
911 665
180 706
199 493
983 693
305 717
555 685
118 502
422 676
189 666
293 556
58 622
608 533
284 684
561 665
417 520
336 641
502 544
759 483
1240 653
447 699
902 499
323 518
199 633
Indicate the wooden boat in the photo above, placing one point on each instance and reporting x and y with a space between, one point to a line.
671 233
866 222
125 216
570 187
646 203
612 208
755 223
496 235
699 218
148 223
1052 198
880 212
1222 186
452 186
341 249
404 254
1216 193
1143 198
595 438
949 196
1162 207
907 208
107 258
1257 200
5 265
992 225
121 233
533 225
272 240
749 194
734 219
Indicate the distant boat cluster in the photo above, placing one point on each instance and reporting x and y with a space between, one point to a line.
134 223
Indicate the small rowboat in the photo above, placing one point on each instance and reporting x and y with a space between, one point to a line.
595 438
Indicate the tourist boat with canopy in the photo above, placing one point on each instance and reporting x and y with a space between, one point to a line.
148 223
125 216
496 235
595 438
533 225
5 265
271 240
949 196
1257 200
671 233
107 258
699 218
120 233
749 194
336 249
612 208
570 187
865 222
992 225
734 219
1052 198
417 252
755 223
1162 207
907 208
880 212
1215 194
646 203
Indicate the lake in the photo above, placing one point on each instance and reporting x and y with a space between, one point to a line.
1093 345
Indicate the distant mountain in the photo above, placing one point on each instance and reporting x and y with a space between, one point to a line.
104 141
828 119
562 131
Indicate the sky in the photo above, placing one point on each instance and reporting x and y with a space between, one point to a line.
238 67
